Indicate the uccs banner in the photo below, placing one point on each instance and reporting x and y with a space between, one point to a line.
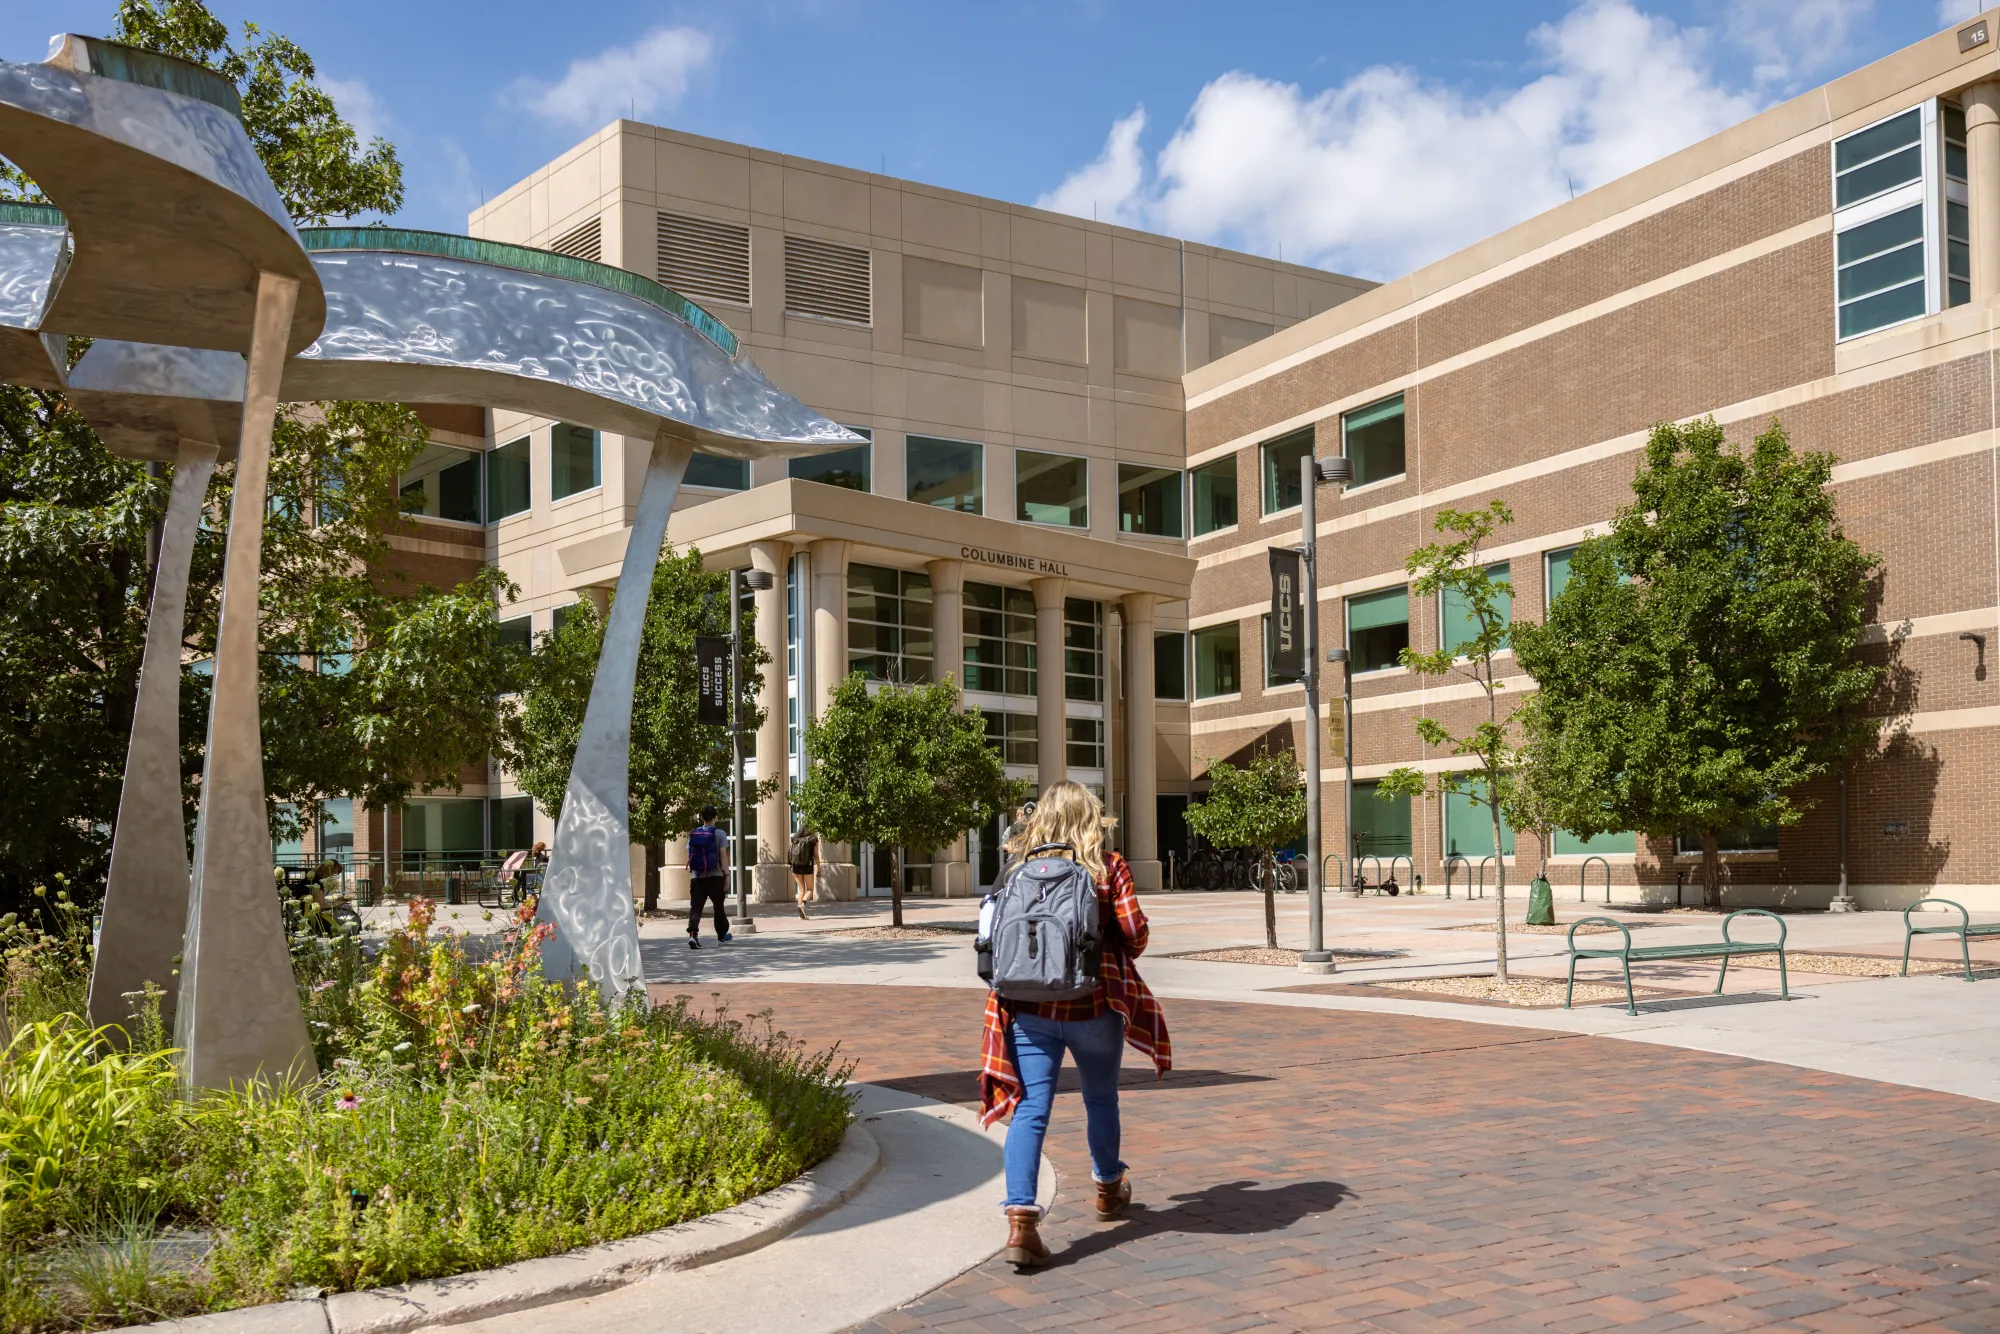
1288 646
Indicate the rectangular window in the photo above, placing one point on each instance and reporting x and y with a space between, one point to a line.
518 633
1894 193
456 825
999 640
444 483
852 468
1051 488
336 827
1170 665
718 472
1557 573
1468 824
1214 489
1457 626
1015 735
1083 650
888 623
1603 845
560 616
947 474
1372 437
1217 661
507 480
1957 224
1149 500
1881 272
1739 838
1878 159
1381 825
575 460
1084 743
1378 629
513 823
1281 469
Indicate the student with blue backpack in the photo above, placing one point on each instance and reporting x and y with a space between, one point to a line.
1059 941
708 877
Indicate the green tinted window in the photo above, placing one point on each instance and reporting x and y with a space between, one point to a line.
1214 488
1149 500
1373 439
1218 661
507 479
1468 824
1458 626
1381 825
1051 488
718 472
1281 469
574 460
949 474
1378 628
851 468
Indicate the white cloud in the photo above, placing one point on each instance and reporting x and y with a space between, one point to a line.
1388 171
635 80
357 102
1108 188
1958 11
1786 39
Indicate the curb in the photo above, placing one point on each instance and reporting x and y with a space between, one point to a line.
746 1227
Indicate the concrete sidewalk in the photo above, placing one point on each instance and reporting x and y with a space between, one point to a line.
931 1212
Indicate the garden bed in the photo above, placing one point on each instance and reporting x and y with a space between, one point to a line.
470 1115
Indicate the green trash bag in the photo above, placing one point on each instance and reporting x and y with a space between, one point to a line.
1541 903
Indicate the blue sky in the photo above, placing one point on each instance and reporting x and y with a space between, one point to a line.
1366 137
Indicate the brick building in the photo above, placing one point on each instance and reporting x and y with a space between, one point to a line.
1832 263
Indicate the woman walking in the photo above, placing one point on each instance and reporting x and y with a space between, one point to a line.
804 857
1025 1041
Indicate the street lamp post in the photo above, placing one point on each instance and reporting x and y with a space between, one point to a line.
756 581
1315 958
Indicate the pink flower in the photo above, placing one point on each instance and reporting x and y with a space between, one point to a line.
327 985
347 1102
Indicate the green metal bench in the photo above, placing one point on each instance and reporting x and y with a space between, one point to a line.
1964 927
1724 949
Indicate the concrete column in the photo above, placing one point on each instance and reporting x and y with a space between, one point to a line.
772 881
1982 151
674 872
1142 771
1051 731
951 876
839 877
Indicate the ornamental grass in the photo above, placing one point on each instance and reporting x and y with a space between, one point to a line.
470 1113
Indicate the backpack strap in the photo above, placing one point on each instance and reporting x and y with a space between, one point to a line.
1045 847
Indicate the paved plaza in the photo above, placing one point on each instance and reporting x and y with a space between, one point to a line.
1318 1161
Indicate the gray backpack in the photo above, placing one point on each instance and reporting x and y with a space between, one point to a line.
1042 930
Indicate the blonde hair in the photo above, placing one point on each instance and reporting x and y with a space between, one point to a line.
1065 813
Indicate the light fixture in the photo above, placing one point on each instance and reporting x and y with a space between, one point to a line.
756 580
1338 470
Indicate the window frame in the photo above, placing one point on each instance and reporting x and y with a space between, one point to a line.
1928 192
596 462
1230 464
1270 478
1401 397
910 443
1347 625
526 461
1194 647
1180 517
431 484
701 457
868 433
1020 505
1186 663
1443 600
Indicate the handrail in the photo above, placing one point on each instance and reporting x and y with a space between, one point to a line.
1339 879
1583 872
1482 872
1457 859
527 259
1754 912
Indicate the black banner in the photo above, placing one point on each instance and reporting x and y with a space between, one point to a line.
1288 645
711 656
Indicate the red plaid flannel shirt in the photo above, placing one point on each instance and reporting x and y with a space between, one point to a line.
1119 986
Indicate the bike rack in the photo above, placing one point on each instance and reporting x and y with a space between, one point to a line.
1451 864
1583 872
1340 873
1361 881
1482 872
1408 863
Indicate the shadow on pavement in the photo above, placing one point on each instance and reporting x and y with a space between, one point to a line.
1710 1002
962 1086
668 959
1233 1209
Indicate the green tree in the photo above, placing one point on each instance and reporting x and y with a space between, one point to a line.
365 690
678 764
1260 806
1454 572
1702 663
900 767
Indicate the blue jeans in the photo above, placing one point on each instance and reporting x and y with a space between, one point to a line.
1098 1044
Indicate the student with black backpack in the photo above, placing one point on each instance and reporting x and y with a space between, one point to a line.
1059 941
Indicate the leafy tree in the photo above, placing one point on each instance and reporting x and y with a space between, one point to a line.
365 691
1454 572
1702 662
678 765
900 767
1261 806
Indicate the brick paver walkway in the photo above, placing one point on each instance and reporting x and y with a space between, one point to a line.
1326 1170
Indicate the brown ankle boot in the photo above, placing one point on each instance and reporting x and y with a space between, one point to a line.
1112 1197
1024 1242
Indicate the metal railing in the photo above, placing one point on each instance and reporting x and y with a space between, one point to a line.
1451 865
1408 865
458 876
1339 880
1482 872
1583 873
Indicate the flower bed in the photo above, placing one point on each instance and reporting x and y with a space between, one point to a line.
470 1114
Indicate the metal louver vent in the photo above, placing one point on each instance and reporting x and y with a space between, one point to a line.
584 242
827 281
704 259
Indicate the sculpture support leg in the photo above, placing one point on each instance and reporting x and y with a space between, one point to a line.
146 894
587 892
239 1017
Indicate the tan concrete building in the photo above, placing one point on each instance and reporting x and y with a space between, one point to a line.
1019 374
1833 263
